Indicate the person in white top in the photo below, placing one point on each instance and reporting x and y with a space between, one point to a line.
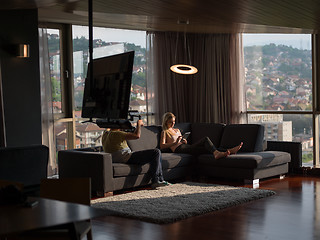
172 138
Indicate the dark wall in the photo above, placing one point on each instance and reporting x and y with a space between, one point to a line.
20 77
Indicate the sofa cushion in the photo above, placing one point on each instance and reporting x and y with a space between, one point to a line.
247 160
149 139
212 130
172 160
169 160
250 134
123 169
183 127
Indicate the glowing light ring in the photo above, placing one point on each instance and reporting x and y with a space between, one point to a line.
183 69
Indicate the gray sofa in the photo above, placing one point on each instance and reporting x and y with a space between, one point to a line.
254 161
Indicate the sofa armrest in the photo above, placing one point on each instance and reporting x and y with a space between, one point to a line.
27 164
294 148
96 165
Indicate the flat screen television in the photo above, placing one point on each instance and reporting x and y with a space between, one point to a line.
107 95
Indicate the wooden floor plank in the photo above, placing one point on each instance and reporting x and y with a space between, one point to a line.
293 213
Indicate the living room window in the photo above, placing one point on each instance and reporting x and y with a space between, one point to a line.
67 81
279 87
279 84
107 42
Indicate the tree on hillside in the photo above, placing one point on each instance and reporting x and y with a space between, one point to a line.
139 79
270 49
54 44
55 88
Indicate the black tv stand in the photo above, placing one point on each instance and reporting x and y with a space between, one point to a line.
124 124
90 120
114 123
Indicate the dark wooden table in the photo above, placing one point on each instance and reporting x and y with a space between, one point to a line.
47 213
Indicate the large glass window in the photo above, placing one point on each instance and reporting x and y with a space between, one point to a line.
278 70
55 69
107 42
70 130
57 99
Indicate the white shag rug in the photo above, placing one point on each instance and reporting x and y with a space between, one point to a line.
177 201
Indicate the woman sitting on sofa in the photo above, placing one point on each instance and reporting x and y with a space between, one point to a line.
115 142
172 138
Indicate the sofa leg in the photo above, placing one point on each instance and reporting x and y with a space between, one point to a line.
102 194
108 194
253 182
282 176
201 179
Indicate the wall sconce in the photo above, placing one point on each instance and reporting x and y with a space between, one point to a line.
23 51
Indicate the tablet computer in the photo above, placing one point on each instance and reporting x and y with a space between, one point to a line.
186 135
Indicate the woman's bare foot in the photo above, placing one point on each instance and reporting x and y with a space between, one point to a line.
235 149
217 154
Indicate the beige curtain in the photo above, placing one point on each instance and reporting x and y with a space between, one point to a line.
238 107
46 102
214 94
2 119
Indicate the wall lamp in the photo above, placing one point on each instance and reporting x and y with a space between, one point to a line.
23 50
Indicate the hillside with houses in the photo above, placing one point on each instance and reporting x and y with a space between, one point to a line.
278 77
80 48
89 134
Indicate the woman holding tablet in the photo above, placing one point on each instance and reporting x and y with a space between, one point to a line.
172 138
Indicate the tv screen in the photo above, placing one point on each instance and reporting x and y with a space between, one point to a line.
107 95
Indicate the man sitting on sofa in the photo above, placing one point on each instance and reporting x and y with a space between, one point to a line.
115 142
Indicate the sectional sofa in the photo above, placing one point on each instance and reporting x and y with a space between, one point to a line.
256 160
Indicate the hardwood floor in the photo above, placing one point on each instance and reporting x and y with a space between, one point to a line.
293 213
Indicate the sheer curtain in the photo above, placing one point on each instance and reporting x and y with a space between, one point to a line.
237 113
2 119
214 94
46 102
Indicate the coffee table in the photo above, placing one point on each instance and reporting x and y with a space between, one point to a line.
18 218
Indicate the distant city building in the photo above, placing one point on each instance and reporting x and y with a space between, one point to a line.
89 134
56 107
112 49
138 105
78 62
275 128
61 137
138 92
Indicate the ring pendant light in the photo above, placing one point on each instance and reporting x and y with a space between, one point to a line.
183 68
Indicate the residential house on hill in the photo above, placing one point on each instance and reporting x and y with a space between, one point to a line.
138 105
138 92
89 134
56 107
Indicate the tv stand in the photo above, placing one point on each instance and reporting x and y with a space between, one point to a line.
90 120
114 123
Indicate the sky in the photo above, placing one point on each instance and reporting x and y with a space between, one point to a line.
113 35
300 41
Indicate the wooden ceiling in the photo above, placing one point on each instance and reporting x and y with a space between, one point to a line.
215 16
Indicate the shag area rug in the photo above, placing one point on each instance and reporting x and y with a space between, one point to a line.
177 201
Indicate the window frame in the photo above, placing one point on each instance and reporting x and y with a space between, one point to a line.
67 88
315 112
66 75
